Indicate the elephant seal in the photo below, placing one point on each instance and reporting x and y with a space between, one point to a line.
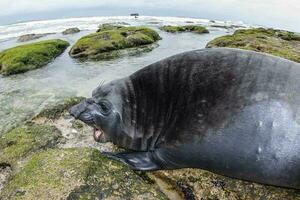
233 112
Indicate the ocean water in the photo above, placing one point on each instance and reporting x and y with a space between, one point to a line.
24 95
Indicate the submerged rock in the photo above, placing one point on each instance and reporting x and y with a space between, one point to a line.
277 42
107 43
189 28
30 56
71 31
28 37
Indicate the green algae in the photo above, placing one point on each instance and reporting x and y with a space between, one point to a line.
188 28
77 173
30 56
56 111
105 44
277 42
22 142
109 26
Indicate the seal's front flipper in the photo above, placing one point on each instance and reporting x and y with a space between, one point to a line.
135 160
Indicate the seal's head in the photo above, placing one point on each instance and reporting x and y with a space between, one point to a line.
100 112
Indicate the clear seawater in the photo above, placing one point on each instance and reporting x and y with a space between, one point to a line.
24 95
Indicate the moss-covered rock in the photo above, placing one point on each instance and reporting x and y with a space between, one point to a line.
71 31
277 42
54 112
30 56
19 143
106 43
77 173
201 184
109 26
189 28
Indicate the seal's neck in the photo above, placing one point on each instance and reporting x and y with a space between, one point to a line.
138 130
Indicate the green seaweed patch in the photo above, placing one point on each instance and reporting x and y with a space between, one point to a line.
188 28
109 26
30 56
56 111
77 173
77 124
277 42
105 44
21 142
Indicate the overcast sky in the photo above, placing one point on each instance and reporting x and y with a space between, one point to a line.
276 13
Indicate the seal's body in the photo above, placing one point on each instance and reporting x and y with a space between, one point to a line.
229 111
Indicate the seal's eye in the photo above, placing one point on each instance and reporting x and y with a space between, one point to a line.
105 107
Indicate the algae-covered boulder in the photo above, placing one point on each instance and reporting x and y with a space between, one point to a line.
30 56
201 184
71 31
106 43
77 173
189 28
21 142
277 42
109 26
53 112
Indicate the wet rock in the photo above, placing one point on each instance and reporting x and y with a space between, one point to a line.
54 112
47 166
110 42
77 173
154 23
5 171
109 26
28 37
22 142
71 31
30 56
188 28
277 42
200 184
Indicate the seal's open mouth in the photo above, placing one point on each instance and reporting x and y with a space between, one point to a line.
97 134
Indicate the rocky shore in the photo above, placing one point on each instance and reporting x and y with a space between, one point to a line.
54 156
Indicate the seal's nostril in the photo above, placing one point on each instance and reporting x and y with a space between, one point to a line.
90 100
78 109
